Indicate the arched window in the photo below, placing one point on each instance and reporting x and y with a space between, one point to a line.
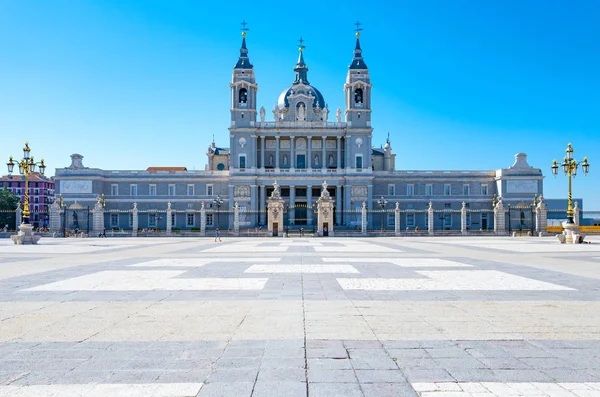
358 96
243 96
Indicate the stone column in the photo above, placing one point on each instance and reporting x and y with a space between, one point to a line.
18 216
292 156
169 219
263 205
203 220
229 207
541 218
463 218
309 151
339 152
397 219
325 213
364 219
370 204
292 211
576 213
98 219
430 219
262 152
134 223
277 153
309 210
55 217
338 204
499 218
323 154
253 213
236 219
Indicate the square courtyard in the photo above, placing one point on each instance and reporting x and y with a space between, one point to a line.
256 317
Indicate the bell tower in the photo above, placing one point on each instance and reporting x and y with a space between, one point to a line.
358 89
243 89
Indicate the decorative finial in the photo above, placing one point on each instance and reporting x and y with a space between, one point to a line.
358 29
244 29
388 138
301 46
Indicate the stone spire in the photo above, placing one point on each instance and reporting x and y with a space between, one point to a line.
301 69
358 62
243 61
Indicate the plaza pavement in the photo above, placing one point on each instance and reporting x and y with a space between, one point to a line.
429 317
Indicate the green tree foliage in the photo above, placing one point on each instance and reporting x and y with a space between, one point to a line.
8 205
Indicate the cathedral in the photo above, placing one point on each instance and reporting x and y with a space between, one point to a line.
300 143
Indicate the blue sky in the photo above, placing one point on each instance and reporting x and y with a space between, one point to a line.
457 84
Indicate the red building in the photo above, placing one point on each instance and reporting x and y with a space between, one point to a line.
41 195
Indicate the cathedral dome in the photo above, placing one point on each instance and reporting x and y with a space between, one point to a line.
296 89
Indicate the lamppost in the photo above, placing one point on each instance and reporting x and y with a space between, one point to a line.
570 168
27 166
218 202
382 203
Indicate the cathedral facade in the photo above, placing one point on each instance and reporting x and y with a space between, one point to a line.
300 145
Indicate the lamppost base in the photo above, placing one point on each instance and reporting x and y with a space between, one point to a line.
25 235
570 234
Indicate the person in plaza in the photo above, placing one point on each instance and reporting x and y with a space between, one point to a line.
217 234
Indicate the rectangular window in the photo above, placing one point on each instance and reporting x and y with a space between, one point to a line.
171 190
152 190
428 190
391 190
173 219
465 190
114 190
484 190
151 220
209 190
190 190
133 190
36 192
114 220
410 219
359 162
391 220
448 220
190 219
242 162
447 190
410 190
209 219
468 219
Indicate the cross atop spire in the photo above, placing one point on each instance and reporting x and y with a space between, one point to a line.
244 29
301 45
358 28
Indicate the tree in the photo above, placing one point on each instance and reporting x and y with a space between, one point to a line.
8 205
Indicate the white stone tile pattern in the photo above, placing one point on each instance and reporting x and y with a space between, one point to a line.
403 262
149 280
55 249
197 262
245 249
301 269
452 280
356 246
104 389
499 389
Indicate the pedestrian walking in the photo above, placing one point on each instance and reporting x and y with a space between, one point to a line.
217 234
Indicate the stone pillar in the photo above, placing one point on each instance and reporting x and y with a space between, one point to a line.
263 205
576 213
275 208
262 152
134 223
463 218
430 219
338 203
292 156
370 204
253 213
236 219
397 219
339 152
309 210
229 208
277 153
292 211
541 218
18 215
55 217
169 219
325 213
98 219
499 218
203 220
363 219
309 151
323 154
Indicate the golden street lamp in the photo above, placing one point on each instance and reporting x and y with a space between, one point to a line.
569 166
26 166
